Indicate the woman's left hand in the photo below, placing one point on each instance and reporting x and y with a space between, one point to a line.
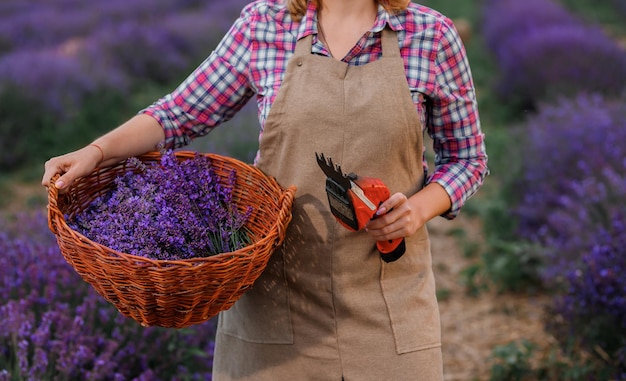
395 218
401 216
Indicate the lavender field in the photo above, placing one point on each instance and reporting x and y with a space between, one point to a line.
55 53
68 64
552 82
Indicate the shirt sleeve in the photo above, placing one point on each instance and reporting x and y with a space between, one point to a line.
454 126
212 94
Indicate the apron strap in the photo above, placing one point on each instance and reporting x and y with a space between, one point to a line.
390 43
303 46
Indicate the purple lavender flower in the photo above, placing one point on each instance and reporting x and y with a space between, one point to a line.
161 56
57 81
573 177
544 52
552 61
593 308
57 45
504 19
570 199
174 210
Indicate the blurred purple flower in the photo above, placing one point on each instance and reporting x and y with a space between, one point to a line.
56 53
573 177
543 52
593 308
503 19
554 61
57 81
141 51
204 27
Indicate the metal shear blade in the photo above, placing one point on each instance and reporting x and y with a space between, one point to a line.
333 171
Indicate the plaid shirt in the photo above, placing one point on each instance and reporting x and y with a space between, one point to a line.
252 59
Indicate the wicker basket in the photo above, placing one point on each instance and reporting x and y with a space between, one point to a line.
170 293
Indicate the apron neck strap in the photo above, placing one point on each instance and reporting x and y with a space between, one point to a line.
303 46
389 44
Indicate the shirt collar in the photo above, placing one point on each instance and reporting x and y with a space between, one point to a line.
308 24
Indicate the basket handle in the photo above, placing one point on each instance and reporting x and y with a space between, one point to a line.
53 194
286 201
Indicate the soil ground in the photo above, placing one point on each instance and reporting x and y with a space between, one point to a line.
472 326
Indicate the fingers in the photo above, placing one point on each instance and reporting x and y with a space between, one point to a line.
391 203
70 167
53 167
50 169
395 219
396 229
68 171
65 180
389 232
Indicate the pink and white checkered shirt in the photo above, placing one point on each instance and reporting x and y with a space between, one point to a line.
252 58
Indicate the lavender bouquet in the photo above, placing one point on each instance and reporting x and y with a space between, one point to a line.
168 210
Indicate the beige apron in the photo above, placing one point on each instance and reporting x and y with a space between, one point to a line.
327 306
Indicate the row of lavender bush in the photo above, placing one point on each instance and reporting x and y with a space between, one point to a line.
568 198
57 52
571 201
59 57
53 326
543 51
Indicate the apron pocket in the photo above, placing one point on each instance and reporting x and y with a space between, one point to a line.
408 287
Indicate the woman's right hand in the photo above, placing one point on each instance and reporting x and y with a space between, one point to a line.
140 134
71 166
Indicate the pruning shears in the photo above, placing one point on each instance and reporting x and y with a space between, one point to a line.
354 200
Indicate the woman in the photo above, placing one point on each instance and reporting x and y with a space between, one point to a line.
359 81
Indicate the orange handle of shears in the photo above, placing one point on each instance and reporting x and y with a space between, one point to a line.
391 250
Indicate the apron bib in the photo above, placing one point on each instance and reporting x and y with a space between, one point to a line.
327 306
